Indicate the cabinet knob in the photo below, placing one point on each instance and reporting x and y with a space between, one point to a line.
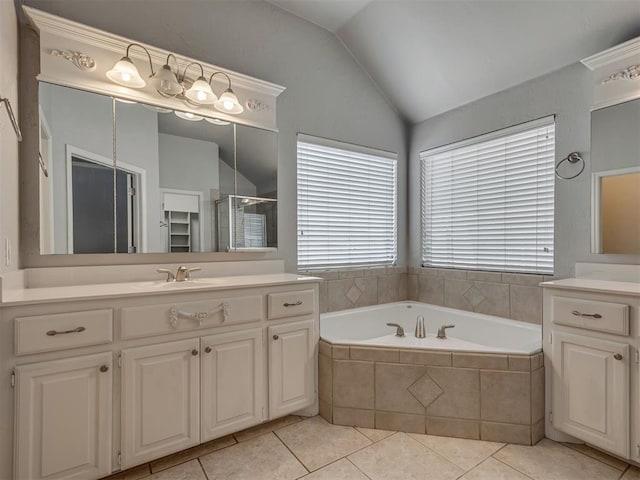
104 368
617 356
207 350
276 337
194 352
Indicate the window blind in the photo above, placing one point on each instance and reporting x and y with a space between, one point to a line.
346 205
488 202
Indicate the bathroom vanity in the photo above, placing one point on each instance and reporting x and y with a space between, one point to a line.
591 342
106 377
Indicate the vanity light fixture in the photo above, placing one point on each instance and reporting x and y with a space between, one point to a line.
217 121
192 117
174 84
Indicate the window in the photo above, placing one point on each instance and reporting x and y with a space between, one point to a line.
346 205
487 202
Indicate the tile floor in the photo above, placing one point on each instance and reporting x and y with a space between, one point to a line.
293 447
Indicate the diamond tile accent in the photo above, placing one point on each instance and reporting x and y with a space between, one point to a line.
474 296
354 294
425 390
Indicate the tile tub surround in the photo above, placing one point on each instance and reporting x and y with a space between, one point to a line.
491 397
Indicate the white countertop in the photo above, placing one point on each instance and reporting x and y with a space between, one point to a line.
594 285
25 296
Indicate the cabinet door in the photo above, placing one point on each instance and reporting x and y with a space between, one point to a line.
160 400
291 367
590 391
63 418
232 382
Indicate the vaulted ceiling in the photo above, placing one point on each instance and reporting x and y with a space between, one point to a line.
428 57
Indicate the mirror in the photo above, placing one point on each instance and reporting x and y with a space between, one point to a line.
163 191
615 174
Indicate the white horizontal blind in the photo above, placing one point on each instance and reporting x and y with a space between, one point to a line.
346 205
487 203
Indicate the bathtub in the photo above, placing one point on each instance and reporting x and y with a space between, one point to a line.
484 382
473 332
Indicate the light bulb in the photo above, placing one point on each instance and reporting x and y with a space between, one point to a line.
124 72
227 105
126 77
201 96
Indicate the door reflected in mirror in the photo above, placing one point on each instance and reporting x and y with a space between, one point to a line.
155 189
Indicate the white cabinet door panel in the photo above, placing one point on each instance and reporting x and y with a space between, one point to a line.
591 390
63 418
232 382
291 367
160 400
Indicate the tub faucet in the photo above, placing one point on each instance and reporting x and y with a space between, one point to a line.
420 327
442 331
399 329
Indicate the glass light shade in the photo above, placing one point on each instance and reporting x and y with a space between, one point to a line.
153 108
192 117
165 81
228 103
201 93
125 73
217 121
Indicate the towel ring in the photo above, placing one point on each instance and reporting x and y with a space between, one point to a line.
573 157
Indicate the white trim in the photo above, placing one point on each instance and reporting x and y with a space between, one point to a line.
613 54
521 127
326 142
141 204
596 192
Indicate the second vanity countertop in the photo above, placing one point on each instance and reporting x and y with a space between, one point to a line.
594 285
26 296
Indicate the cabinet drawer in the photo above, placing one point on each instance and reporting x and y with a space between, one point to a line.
290 304
172 317
45 333
591 315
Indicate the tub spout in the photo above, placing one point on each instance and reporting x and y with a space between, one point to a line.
442 331
420 333
399 329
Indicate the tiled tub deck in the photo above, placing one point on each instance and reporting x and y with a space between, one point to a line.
495 397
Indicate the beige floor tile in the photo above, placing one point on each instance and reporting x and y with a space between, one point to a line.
340 470
185 471
400 457
492 469
464 453
317 443
632 474
598 455
191 453
375 434
549 460
261 458
266 427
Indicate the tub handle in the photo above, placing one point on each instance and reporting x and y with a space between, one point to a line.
399 329
442 331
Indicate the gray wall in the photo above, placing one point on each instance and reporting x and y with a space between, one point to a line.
566 93
327 94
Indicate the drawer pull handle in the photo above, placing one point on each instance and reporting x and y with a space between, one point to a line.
104 368
276 337
617 356
207 350
580 314
52 333
194 352
200 317
298 303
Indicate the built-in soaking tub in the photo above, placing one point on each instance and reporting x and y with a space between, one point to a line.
485 381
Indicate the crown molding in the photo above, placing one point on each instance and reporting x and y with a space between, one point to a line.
627 49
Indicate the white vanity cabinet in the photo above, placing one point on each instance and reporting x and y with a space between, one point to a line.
63 418
591 338
160 400
127 380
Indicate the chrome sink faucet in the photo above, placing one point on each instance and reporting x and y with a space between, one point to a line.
183 274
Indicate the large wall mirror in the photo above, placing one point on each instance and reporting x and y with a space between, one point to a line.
615 174
124 177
